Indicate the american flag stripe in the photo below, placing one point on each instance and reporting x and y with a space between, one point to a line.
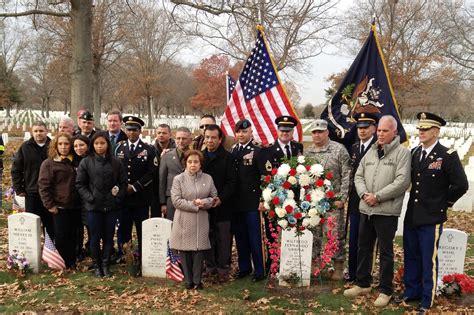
51 255
259 96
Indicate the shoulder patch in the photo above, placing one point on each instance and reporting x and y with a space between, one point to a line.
450 151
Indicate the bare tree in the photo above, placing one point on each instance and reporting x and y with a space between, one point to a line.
297 30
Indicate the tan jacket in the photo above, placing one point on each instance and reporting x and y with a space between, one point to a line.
190 231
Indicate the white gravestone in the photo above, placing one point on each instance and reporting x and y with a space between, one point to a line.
155 235
24 235
451 252
402 214
295 256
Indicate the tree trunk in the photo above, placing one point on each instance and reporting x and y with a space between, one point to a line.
65 107
96 95
7 108
81 63
47 106
43 102
149 103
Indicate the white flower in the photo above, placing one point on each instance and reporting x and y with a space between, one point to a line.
283 223
290 195
305 180
300 169
312 212
306 222
266 205
283 170
301 159
292 180
267 194
327 182
316 196
317 169
280 212
314 221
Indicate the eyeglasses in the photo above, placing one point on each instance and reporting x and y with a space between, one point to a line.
203 126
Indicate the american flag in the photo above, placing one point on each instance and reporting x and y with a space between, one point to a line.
173 266
259 96
51 255
230 83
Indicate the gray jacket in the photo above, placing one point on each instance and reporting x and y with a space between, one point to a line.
388 178
170 166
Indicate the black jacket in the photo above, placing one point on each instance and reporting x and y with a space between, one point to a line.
247 165
273 155
141 167
96 176
221 166
356 156
436 185
26 166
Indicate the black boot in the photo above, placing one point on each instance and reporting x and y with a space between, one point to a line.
106 263
97 262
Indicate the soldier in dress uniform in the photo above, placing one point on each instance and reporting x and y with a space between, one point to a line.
140 163
284 147
366 127
245 220
438 181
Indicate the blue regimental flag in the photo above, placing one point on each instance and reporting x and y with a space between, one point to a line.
365 88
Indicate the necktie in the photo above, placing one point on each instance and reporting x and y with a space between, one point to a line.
241 148
132 148
423 156
362 149
287 149
112 139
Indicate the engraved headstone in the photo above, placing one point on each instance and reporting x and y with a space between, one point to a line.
402 214
155 235
451 252
24 235
295 257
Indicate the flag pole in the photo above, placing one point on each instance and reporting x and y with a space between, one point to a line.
227 85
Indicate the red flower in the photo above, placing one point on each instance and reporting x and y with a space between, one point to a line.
291 225
271 214
298 215
308 167
448 278
329 175
267 179
274 171
308 198
289 209
330 194
292 172
286 185
319 183
301 228
276 201
322 221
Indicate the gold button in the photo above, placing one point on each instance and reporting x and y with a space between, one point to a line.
433 175
129 166
416 200
417 183
416 191
418 174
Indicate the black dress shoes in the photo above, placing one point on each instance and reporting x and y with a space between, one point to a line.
189 286
199 286
241 274
258 278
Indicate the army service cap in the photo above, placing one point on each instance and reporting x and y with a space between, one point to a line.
429 120
242 124
366 119
286 123
133 122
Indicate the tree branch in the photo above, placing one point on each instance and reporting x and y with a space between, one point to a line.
33 12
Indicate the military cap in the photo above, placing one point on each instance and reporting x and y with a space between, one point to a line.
319 124
429 120
80 112
132 122
242 124
286 123
86 115
366 119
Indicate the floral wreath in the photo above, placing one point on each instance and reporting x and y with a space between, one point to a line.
298 195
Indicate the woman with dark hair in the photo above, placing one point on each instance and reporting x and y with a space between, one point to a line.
58 193
81 149
102 184
192 193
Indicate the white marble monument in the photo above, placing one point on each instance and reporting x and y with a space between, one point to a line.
155 235
451 252
295 257
24 235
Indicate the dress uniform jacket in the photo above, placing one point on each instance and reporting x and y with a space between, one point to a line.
274 154
140 166
248 168
436 185
356 156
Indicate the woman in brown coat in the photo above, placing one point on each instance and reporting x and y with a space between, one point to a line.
192 194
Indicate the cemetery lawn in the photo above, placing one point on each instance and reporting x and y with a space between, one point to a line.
80 291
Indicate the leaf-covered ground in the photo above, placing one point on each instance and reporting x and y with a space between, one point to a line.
80 291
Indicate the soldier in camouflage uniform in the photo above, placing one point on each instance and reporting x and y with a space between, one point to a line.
333 157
